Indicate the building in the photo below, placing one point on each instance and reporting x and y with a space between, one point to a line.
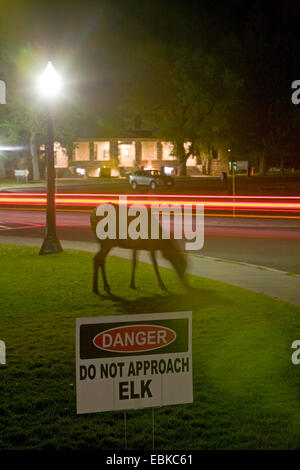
116 157
96 157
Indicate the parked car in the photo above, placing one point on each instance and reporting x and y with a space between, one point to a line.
151 178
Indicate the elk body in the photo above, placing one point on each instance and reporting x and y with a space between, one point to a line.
170 249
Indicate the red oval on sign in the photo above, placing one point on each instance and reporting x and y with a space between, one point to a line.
134 338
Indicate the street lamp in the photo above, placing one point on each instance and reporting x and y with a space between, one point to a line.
49 86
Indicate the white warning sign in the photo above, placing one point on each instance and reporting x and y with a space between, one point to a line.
133 361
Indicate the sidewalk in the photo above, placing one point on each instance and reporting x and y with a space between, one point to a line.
272 282
40 186
243 222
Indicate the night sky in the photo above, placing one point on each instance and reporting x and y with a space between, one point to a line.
90 41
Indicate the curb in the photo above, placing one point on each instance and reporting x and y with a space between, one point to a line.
242 263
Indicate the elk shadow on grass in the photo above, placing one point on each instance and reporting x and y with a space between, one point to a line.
193 299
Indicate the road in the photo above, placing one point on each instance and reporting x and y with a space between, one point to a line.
254 185
267 242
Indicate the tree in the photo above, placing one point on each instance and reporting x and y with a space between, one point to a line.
184 95
269 124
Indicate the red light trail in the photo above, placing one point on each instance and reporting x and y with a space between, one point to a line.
279 205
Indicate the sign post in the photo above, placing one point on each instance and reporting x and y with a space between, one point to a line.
233 189
133 361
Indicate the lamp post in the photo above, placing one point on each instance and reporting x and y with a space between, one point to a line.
50 85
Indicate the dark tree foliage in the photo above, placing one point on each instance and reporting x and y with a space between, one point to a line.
266 123
201 72
185 96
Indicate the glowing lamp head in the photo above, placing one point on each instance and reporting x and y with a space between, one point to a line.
50 82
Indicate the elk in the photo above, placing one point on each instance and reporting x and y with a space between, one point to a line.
170 249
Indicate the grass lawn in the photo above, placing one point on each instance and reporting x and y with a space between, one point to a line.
13 183
246 389
89 180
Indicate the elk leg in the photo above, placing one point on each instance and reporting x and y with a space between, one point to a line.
160 281
99 260
105 283
95 276
134 263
